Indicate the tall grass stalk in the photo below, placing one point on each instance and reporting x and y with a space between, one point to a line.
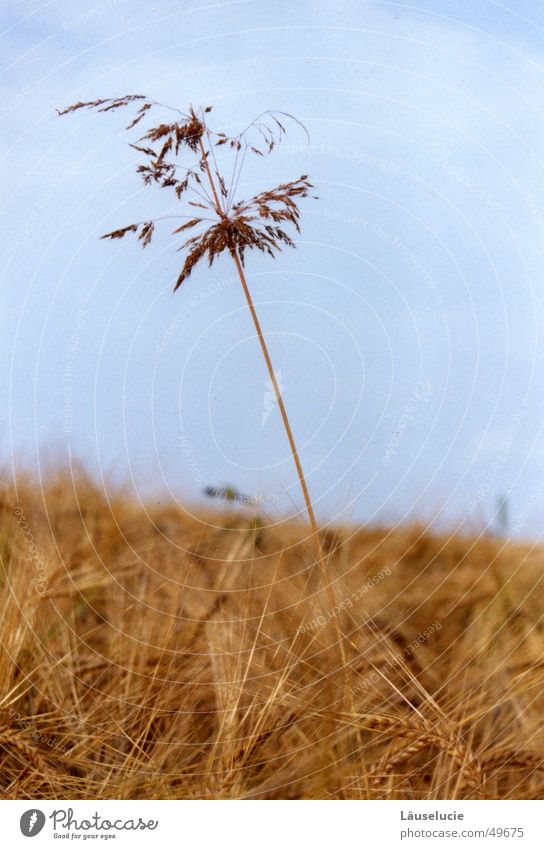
225 225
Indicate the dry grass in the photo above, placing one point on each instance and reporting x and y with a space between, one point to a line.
162 655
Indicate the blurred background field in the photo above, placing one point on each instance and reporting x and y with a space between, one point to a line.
151 653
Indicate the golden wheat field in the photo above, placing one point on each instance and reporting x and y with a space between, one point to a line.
148 652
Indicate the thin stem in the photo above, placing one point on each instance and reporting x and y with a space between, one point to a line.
277 392
218 207
167 217
231 184
203 195
167 106
300 472
273 112
234 184
212 151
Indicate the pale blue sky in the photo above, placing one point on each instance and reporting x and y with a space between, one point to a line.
407 325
